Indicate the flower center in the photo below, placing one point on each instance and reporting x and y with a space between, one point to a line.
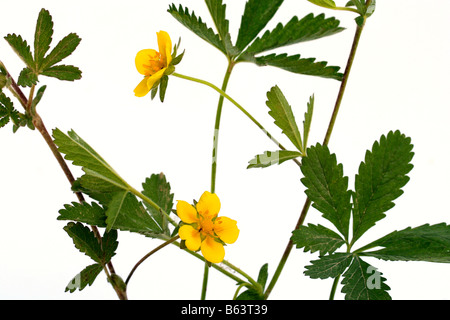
154 64
207 226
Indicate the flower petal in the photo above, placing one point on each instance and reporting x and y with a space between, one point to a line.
165 47
191 236
212 250
142 88
154 78
209 204
186 212
226 229
142 59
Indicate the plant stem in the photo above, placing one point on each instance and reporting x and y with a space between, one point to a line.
148 255
260 126
214 159
333 288
307 204
39 125
205 280
217 126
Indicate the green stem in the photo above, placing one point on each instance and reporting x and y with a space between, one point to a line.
307 204
217 126
205 280
214 159
250 279
333 288
171 240
226 96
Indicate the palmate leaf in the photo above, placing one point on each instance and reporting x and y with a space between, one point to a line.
329 266
281 112
380 179
257 14
425 243
317 238
295 31
269 158
196 25
363 282
42 64
296 64
327 187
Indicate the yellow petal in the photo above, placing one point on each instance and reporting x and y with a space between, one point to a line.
226 229
142 59
142 88
186 212
165 47
154 78
212 250
209 204
191 236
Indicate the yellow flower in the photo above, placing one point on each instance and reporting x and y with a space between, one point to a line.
203 229
153 64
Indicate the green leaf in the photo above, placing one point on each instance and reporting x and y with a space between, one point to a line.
254 293
22 49
363 282
7 111
317 238
82 154
158 189
263 275
37 99
257 14
63 72
269 158
295 64
42 37
327 186
380 179
126 213
217 10
329 266
62 50
425 243
85 241
281 112
197 26
109 245
91 214
27 78
86 277
307 121
295 31
163 87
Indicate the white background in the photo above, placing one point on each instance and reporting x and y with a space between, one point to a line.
399 81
